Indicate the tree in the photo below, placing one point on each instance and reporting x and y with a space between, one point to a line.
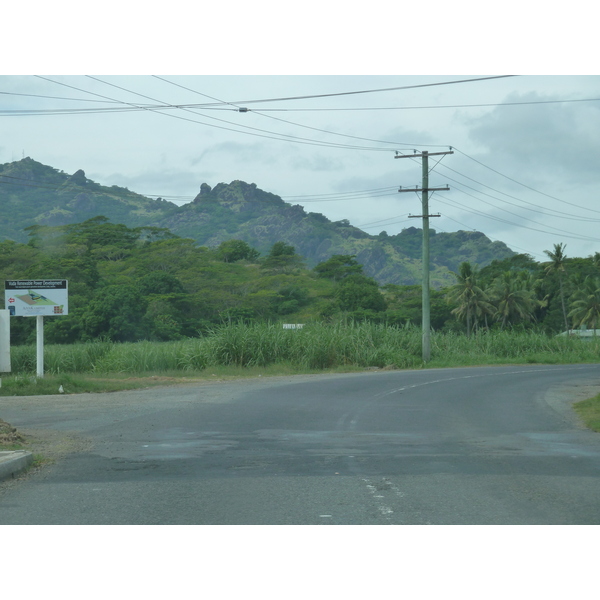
472 302
160 282
16 259
116 312
234 250
512 299
99 232
338 267
282 259
586 304
357 292
290 298
518 263
557 265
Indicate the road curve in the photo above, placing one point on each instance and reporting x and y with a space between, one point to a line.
497 445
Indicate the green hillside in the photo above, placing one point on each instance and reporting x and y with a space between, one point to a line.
33 194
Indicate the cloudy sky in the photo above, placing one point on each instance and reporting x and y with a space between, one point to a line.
526 148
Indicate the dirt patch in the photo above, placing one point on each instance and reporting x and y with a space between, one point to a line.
51 445
48 444
9 435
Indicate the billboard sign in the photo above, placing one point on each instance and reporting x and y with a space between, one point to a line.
36 297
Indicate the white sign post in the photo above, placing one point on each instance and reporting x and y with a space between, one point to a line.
37 298
4 341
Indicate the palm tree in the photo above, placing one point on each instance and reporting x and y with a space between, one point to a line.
512 297
557 265
472 302
586 304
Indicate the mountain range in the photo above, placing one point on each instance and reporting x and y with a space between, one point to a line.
35 194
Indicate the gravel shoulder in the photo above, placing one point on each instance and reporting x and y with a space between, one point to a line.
561 400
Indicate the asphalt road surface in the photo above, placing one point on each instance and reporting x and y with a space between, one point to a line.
443 446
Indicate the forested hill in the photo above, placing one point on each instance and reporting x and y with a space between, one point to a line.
35 194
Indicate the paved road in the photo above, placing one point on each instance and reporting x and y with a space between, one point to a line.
445 446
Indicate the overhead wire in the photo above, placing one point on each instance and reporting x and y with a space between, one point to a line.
28 184
24 182
459 223
562 232
290 137
260 112
229 106
342 193
344 196
392 222
538 209
155 108
276 136
519 182
431 107
370 91
54 97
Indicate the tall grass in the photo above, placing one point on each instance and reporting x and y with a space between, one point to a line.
514 347
316 346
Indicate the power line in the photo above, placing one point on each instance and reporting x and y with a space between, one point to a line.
387 189
54 97
281 137
378 226
371 91
260 112
489 238
46 186
348 198
295 138
343 196
229 106
459 223
519 182
431 107
512 223
537 210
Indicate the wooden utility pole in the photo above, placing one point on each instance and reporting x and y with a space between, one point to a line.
425 189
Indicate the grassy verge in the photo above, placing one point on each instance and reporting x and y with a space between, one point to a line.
589 411
30 385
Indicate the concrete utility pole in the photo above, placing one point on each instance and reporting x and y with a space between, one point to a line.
425 189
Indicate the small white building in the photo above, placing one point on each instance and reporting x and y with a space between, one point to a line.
584 334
